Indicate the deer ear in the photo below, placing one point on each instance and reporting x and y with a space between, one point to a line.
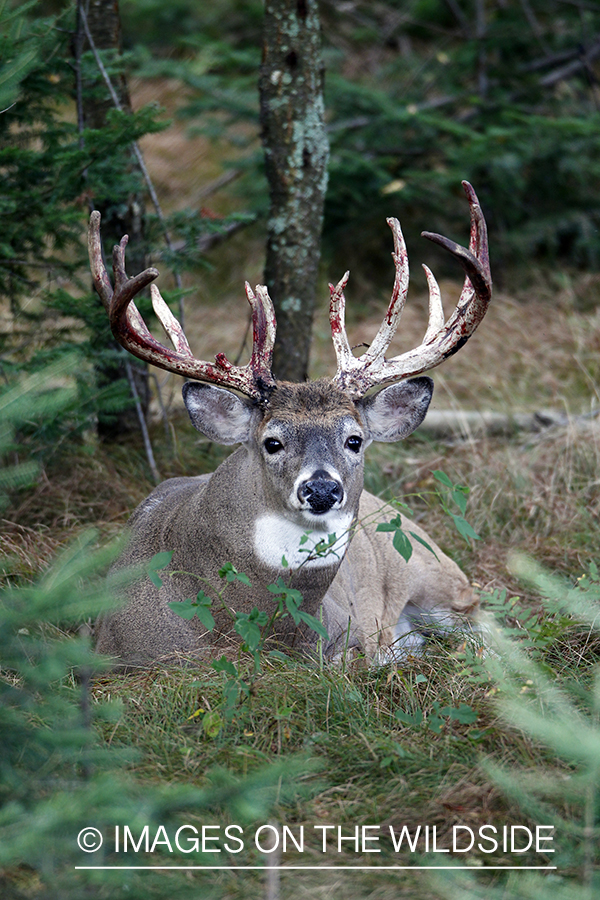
395 412
222 416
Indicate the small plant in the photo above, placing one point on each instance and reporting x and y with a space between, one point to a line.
455 494
254 628
435 718
450 493
401 540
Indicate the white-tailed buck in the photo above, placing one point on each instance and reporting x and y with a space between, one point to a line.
299 469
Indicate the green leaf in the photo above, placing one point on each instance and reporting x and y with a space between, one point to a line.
464 714
434 723
224 665
231 693
200 607
425 544
408 719
248 630
292 606
313 623
402 544
228 571
205 617
212 723
395 523
185 609
464 529
279 587
284 563
442 478
459 497
158 561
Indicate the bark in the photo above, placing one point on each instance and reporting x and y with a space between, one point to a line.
118 218
296 157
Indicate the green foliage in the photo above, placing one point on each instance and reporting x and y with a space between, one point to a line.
432 96
434 719
561 713
254 628
400 540
54 170
458 494
58 777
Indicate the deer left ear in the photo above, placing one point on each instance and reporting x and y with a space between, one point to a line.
395 412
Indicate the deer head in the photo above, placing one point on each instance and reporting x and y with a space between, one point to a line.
307 440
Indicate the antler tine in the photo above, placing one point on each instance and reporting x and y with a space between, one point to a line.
436 310
475 261
99 274
168 321
442 339
131 332
264 327
388 327
349 366
337 321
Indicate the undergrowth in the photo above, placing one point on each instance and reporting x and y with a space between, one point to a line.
421 743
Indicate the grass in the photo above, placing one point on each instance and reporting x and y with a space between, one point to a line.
354 761
361 765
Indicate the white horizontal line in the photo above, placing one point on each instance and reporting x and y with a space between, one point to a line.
374 868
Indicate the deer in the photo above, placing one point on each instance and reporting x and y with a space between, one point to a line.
295 482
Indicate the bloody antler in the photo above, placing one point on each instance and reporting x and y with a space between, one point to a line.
130 331
355 375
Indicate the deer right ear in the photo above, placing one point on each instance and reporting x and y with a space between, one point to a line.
222 416
395 412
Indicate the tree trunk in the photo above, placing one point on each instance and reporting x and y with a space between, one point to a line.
118 217
296 157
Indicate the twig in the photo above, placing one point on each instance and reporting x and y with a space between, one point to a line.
273 859
534 24
163 410
459 15
85 678
136 150
582 61
142 421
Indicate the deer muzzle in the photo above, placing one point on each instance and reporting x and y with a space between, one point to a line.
320 492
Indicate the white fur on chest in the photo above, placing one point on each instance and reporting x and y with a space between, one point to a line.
275 537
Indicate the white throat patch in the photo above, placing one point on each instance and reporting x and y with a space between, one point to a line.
275 537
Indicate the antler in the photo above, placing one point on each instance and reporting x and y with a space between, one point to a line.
356 375
129 329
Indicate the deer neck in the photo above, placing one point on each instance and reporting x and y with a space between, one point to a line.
265 542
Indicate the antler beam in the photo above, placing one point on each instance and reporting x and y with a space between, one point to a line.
356 375
129 329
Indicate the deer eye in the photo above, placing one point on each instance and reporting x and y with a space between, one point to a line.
272 445
354 443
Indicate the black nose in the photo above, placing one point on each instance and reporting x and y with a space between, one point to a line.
320 492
